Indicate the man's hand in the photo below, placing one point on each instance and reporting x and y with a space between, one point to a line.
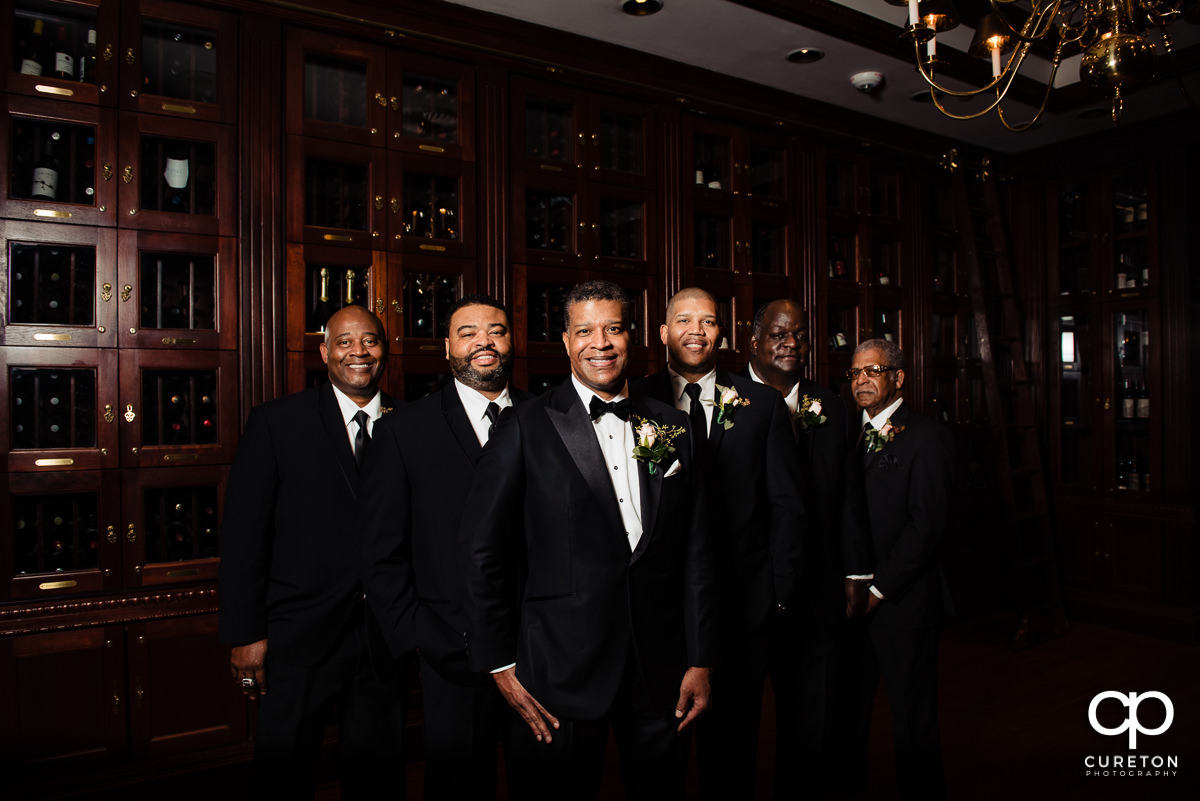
873 601
250 662
526 705
857 596
695 692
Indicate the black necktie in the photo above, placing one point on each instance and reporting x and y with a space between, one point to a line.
597 408
861 445
696 412
492 414
361 438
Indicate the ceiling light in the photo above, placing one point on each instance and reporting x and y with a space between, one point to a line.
806 55
1118 56
641 8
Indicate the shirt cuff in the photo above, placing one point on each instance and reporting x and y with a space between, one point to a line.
514 664
876 592
862 576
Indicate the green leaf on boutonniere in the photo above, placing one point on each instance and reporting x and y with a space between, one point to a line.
654 442
728 401
809 415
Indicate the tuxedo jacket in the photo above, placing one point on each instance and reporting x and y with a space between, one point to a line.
542 494
289 567
907 488
414 485
752 498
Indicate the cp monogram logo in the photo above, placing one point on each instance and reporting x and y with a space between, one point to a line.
1131 723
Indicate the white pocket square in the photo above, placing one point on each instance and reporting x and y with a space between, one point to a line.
677 467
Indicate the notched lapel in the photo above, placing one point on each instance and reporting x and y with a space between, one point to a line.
460 426
335 427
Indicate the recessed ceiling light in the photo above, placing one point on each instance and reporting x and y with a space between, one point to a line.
806 55
641 8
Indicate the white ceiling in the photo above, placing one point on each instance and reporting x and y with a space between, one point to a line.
733 40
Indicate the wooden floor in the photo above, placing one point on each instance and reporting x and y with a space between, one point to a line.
1014 724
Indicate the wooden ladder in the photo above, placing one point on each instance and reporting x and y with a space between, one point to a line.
1011 403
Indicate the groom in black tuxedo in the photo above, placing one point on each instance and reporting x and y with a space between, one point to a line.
906 467
755 517
413 488
303 642
588 580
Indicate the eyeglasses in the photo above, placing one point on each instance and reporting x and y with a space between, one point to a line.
872 371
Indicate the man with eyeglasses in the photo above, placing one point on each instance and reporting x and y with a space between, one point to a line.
810 709
905 463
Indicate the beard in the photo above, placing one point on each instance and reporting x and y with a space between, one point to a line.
493 379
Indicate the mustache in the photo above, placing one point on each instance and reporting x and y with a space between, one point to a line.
483 349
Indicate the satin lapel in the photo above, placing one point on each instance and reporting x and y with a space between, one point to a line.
650 486
570 419
335 427
460 426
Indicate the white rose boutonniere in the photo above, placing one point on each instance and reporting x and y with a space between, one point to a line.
654 442
878 437
728 401
809 415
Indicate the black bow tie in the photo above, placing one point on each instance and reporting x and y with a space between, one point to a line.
597 408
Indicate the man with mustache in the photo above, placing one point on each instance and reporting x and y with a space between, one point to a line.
811 703
587 573
414 485
905 464
291 600
743 438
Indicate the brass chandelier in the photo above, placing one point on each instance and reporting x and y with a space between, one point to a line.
1114 36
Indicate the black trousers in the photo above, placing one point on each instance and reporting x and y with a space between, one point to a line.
811 709
906 661
463 728
653 756
727 734
300 701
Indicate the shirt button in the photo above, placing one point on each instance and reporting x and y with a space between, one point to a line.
620 500
615 467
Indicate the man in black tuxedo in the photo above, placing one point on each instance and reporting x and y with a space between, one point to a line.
588 581
755 517
291 600
414 485
906 466
810 705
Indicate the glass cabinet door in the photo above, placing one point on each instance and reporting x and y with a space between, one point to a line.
1134 242
1132 408
1077 385
336 88
1072 247
432 111
63 534
61 285
178 181
58 50
430 207
60 162
178 414
61 408
344 193
175 514
547 220
322 280
180 60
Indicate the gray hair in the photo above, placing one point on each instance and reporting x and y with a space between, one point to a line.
891 351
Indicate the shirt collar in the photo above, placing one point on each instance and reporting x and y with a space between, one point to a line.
586 394
879 420
708 383
791 399
475 402
349 408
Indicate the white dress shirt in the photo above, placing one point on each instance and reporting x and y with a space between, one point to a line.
349 408
683 401
475 403
616 440
790 400
877 422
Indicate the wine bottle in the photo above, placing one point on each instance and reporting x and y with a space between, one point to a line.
45 172
64 56
87 62
884 279
349 288
325 308
839 265
1142 402
1127 400
35 59
886 329
177 174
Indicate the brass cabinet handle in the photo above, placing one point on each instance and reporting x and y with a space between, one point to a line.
107 53
130 58
380 99
127 173
395 103
106 171
108 413
106 292
129 415
379 202
112 535
395 205
379 307
397 307
126 293
131 535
